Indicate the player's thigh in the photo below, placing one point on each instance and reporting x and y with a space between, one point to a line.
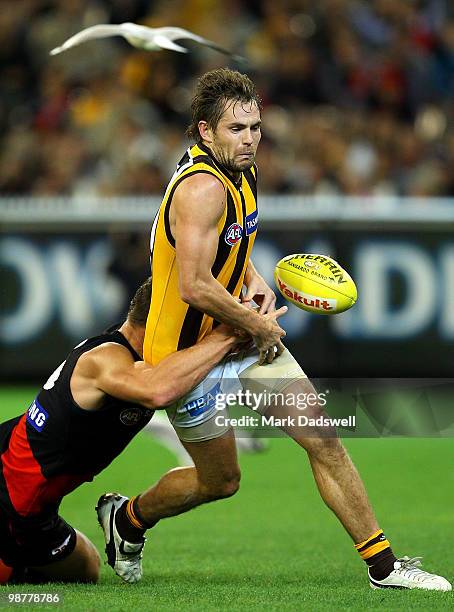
268 382
287 395
81 565
215 460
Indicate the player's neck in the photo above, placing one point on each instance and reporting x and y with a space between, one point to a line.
233 175
134 334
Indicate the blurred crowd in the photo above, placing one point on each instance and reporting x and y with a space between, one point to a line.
357 94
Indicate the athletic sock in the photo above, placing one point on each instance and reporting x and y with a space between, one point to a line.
129 522
376 551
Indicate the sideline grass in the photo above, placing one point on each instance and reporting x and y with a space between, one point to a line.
274 545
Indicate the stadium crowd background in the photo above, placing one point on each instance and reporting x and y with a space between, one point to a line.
357 95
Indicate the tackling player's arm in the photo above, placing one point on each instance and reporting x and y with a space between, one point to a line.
110 370
196 241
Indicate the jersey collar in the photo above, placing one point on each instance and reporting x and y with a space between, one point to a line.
113 329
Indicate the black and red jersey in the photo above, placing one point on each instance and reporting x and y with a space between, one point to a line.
56 445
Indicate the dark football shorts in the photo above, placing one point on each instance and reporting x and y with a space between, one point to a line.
35 541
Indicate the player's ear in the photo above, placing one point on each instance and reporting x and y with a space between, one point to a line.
205 132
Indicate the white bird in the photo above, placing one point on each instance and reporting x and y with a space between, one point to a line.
142 37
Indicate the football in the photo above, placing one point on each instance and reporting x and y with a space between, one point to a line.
315 283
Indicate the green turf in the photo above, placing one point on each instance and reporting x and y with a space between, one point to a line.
274 545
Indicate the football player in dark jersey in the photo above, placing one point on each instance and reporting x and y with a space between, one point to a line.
87 412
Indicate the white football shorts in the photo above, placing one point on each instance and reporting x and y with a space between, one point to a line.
194 416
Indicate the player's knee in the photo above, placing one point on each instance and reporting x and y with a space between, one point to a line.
317 437
225 487
322 436
230 486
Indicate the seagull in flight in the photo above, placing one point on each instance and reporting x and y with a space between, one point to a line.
142 37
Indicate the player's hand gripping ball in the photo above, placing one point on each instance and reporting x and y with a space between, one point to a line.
315 283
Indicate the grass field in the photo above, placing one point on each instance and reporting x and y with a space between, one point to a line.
274 545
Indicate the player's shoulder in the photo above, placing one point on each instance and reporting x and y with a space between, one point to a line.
204 185
106 355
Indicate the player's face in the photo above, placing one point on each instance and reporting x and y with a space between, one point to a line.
237 136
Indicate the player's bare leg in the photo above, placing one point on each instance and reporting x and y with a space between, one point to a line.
82 565
337 479
344 493
162 430
215 475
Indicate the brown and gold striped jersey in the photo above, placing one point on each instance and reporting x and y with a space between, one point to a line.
172 324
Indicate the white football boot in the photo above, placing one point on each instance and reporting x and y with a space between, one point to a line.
125 557
407 575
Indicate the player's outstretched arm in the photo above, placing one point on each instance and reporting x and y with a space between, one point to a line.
110 370
196 241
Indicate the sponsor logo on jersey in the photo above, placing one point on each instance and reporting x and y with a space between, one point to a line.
131 416
233 234
251 222
37 416
202 404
